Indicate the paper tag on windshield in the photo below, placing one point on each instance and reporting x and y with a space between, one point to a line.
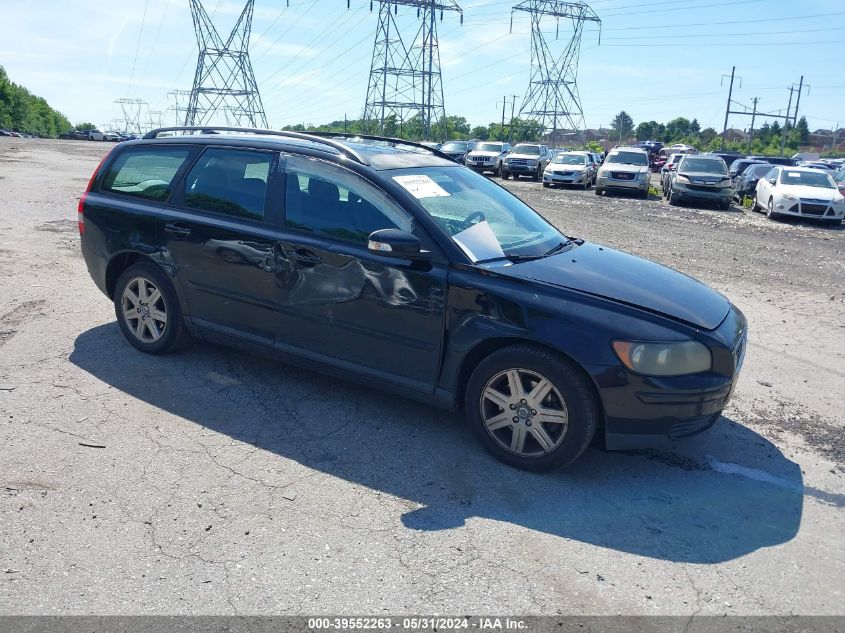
421 186
479 242
793 174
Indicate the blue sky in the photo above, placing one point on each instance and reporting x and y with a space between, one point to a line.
656 60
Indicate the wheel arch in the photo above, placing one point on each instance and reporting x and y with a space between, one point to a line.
120 262
484 348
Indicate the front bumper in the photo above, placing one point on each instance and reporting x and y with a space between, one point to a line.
691 192
482 167
572 178
813 210
520 169
608 182
652 412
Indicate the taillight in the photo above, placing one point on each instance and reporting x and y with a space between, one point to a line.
80 208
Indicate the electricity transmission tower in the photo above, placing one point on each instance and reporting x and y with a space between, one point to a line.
224 81
405 82
133 111
552 95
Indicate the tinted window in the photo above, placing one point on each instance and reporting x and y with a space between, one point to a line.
703 165
757 171
628 158
229 181
454 147
326 199
145 172
807 178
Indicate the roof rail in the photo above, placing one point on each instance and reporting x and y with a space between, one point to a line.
384 139
214 129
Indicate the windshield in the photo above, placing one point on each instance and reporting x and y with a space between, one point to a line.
489 147
758 171
570 159
704 165
628 158
533 150
483 219
454 147
807 178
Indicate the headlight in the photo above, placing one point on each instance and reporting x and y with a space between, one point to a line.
664 359
642 176
531 162
838 202
602 173
786 196
725 183
682 179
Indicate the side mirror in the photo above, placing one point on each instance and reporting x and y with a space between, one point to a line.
771 180
394 242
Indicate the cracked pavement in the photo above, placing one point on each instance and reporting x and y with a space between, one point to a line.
217 482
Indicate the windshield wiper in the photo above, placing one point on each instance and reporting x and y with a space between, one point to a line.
558 248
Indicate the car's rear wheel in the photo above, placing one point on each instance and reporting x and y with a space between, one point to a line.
531 408
148 311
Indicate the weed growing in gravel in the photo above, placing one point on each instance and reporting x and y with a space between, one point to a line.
746 202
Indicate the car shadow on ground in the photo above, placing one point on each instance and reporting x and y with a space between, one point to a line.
722 495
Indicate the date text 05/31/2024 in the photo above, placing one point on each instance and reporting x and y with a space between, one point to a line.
417 623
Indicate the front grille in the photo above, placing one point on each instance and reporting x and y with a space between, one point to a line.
701 188
691 427
813 209
564 173
519 161
622 175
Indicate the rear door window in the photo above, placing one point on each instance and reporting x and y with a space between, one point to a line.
145 171
230 181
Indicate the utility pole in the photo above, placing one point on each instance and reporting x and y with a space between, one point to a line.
728 107
786 122
224 81
345 124
502 130
405 80
753 116
798 102
552 95
510 125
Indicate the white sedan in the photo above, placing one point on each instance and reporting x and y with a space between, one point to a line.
801 192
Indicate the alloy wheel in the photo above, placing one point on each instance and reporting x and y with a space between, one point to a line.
524 412
144 310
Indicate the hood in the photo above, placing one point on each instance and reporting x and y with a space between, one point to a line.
703 177
628 169
484 154
563 167
805 191
615 275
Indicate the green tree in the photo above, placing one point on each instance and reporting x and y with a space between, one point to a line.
622 126
480 132
84 127
803 130
24 112
707 135
646 131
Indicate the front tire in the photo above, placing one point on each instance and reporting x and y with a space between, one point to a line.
598 191
531 408
147 310
770 210
505 174
673 198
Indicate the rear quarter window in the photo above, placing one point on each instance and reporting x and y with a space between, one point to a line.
145 172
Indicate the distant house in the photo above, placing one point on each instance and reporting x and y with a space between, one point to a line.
733 134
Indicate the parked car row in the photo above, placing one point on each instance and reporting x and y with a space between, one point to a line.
18 134
97 135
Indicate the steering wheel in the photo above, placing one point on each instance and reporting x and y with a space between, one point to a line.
477 214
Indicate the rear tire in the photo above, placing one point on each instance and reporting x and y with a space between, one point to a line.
148 311
555 407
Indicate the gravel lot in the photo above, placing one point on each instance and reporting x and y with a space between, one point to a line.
216 482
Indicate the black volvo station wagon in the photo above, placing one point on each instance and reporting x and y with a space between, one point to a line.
382 261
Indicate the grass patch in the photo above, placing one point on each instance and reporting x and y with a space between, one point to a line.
654 191
747 202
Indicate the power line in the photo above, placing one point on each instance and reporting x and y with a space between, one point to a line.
137 47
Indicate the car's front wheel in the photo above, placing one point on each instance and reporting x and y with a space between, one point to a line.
148 311
505 174
531 408
770 210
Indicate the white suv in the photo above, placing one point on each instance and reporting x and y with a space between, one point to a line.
488 156
624 169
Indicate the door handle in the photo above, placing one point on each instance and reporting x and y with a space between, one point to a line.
305 258
177 229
